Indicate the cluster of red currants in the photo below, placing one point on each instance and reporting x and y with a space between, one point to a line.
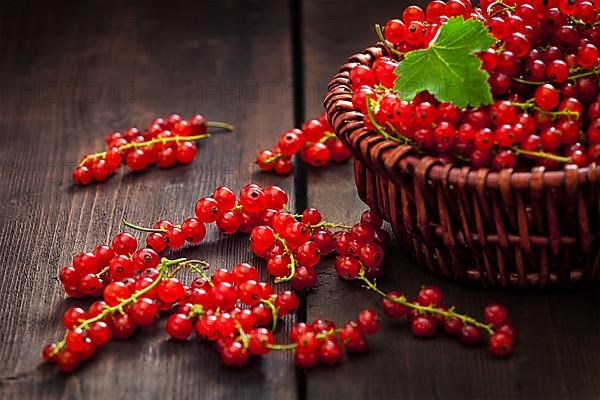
321 342
426 313
165 142
543 74
361 248
315 143
92 271
131 297
208 306
233 310
293 244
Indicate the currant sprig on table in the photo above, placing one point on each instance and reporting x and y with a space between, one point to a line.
503 86
233 308
165 142
315 142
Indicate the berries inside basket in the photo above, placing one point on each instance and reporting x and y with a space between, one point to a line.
477 136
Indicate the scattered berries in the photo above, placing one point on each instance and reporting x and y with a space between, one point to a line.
315 142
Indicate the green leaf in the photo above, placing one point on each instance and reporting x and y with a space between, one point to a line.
449 68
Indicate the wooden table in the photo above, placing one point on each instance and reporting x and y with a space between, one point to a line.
71 71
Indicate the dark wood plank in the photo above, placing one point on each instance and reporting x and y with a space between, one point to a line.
117 63
558 332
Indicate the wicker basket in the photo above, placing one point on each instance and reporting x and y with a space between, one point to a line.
503 229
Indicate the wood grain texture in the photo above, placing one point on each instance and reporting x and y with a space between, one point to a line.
558 332
71 72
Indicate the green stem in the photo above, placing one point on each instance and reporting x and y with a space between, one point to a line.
530 105
498 3
196 310
527 82
425 309
402 137
244 338
291 265
193 266
378 127
102 271
142 228
137 145
595 71
384 41
329 225
274 313
289 346
541 154
273 158
292 346
326 137
223 125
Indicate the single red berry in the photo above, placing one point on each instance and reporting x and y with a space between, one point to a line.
306 358
352 338
156 241
186 152
495 314
207 210
252 198
330 352
546 97
423 326
121 267
137 160
259 341
67 360
99 333
393 309
224 197
249 292
124 243
429 296
73 317
229 222
175 238
287 301
144 311
234 355
347 267
500 344
198 125
470 335
82 175
368 322
179 326
170 290
115 292
243 272
304 278
317 154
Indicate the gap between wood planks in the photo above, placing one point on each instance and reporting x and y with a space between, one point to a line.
300 178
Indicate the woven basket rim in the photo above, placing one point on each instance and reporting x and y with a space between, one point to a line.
338 96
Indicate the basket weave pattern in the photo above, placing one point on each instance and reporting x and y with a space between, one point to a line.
504 229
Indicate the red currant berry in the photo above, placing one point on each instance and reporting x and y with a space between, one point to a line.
393 309
179 326
470 335
368 322
429 296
